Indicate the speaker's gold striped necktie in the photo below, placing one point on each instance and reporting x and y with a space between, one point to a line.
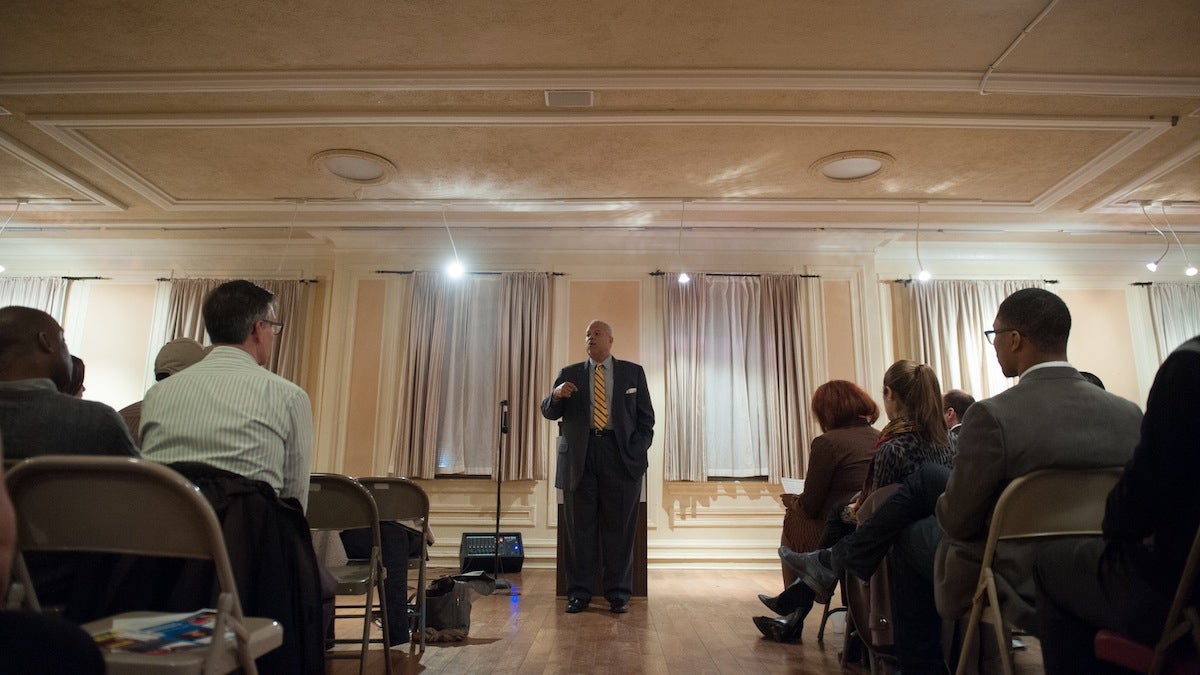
599 400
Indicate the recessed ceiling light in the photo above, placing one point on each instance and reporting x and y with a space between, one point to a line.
354 166
853 165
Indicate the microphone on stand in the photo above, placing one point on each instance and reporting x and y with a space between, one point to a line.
501 583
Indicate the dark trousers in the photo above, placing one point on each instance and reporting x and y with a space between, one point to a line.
861 552
601 520
903 528
1081 589
398 542
798 596
33 643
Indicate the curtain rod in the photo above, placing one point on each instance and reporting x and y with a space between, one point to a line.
659 273
909 281
553 274
86 278
303 281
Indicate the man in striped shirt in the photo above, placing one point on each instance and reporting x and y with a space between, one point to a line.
228 410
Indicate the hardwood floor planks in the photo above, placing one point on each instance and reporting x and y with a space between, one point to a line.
694 622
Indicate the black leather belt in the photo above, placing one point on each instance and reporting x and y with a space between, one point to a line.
601 432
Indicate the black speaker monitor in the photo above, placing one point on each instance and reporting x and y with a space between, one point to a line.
478 552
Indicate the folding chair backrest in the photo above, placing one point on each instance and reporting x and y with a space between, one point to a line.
398 498
114 505
337 502
1051 502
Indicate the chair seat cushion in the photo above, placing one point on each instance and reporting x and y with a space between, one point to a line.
1113 647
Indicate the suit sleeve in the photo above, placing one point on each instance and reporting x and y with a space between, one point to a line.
552 408
822 462
643 428
977 479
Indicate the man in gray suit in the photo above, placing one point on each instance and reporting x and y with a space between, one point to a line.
1053 419
606 428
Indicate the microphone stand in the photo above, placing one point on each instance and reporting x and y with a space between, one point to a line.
501 584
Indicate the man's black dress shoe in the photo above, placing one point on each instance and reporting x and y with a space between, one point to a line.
618 606
576 605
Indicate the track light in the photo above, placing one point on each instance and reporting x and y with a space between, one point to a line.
683 276
455 269
923 274
1153 266
1190 270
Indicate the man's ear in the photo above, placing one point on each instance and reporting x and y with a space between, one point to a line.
45 343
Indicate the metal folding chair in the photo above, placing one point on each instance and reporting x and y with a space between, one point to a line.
337 502
402 499
1046 503
131 506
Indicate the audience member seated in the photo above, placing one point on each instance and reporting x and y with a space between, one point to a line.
237 430
956 402
915 436
75 385
32 643
400 542
172 358
837 466
1052 419
36 418
228 411
1125 581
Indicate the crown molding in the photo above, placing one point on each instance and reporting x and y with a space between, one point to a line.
1114 202
603 79
97 200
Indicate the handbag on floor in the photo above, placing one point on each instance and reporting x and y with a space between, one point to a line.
448 604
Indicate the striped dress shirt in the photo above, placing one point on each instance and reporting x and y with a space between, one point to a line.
231 413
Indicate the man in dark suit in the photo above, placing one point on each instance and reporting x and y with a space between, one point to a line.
606 427
956 402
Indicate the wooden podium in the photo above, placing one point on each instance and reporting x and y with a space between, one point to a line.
639 552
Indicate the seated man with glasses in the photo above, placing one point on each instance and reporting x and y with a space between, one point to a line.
244 436
229 411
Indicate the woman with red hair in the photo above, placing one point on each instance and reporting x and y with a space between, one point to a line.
837 467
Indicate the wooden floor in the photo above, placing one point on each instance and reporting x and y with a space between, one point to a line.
693 622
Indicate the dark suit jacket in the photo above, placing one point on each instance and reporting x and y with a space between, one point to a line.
1153 511
630 416
1053 419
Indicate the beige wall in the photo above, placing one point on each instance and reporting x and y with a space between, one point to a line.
617 303
1101 338
839 331
114 341
361 444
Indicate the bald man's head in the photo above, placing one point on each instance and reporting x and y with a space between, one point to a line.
32 346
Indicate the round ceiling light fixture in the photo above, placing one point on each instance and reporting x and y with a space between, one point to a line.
354 166
852 165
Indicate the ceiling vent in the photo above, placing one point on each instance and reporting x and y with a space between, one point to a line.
563 98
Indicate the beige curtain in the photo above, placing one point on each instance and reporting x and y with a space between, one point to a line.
524 343
438 350
941 323
293 305
793 312
48 294
1175 313
683 329
768 387
414 446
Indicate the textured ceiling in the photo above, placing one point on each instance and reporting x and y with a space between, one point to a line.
150 114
